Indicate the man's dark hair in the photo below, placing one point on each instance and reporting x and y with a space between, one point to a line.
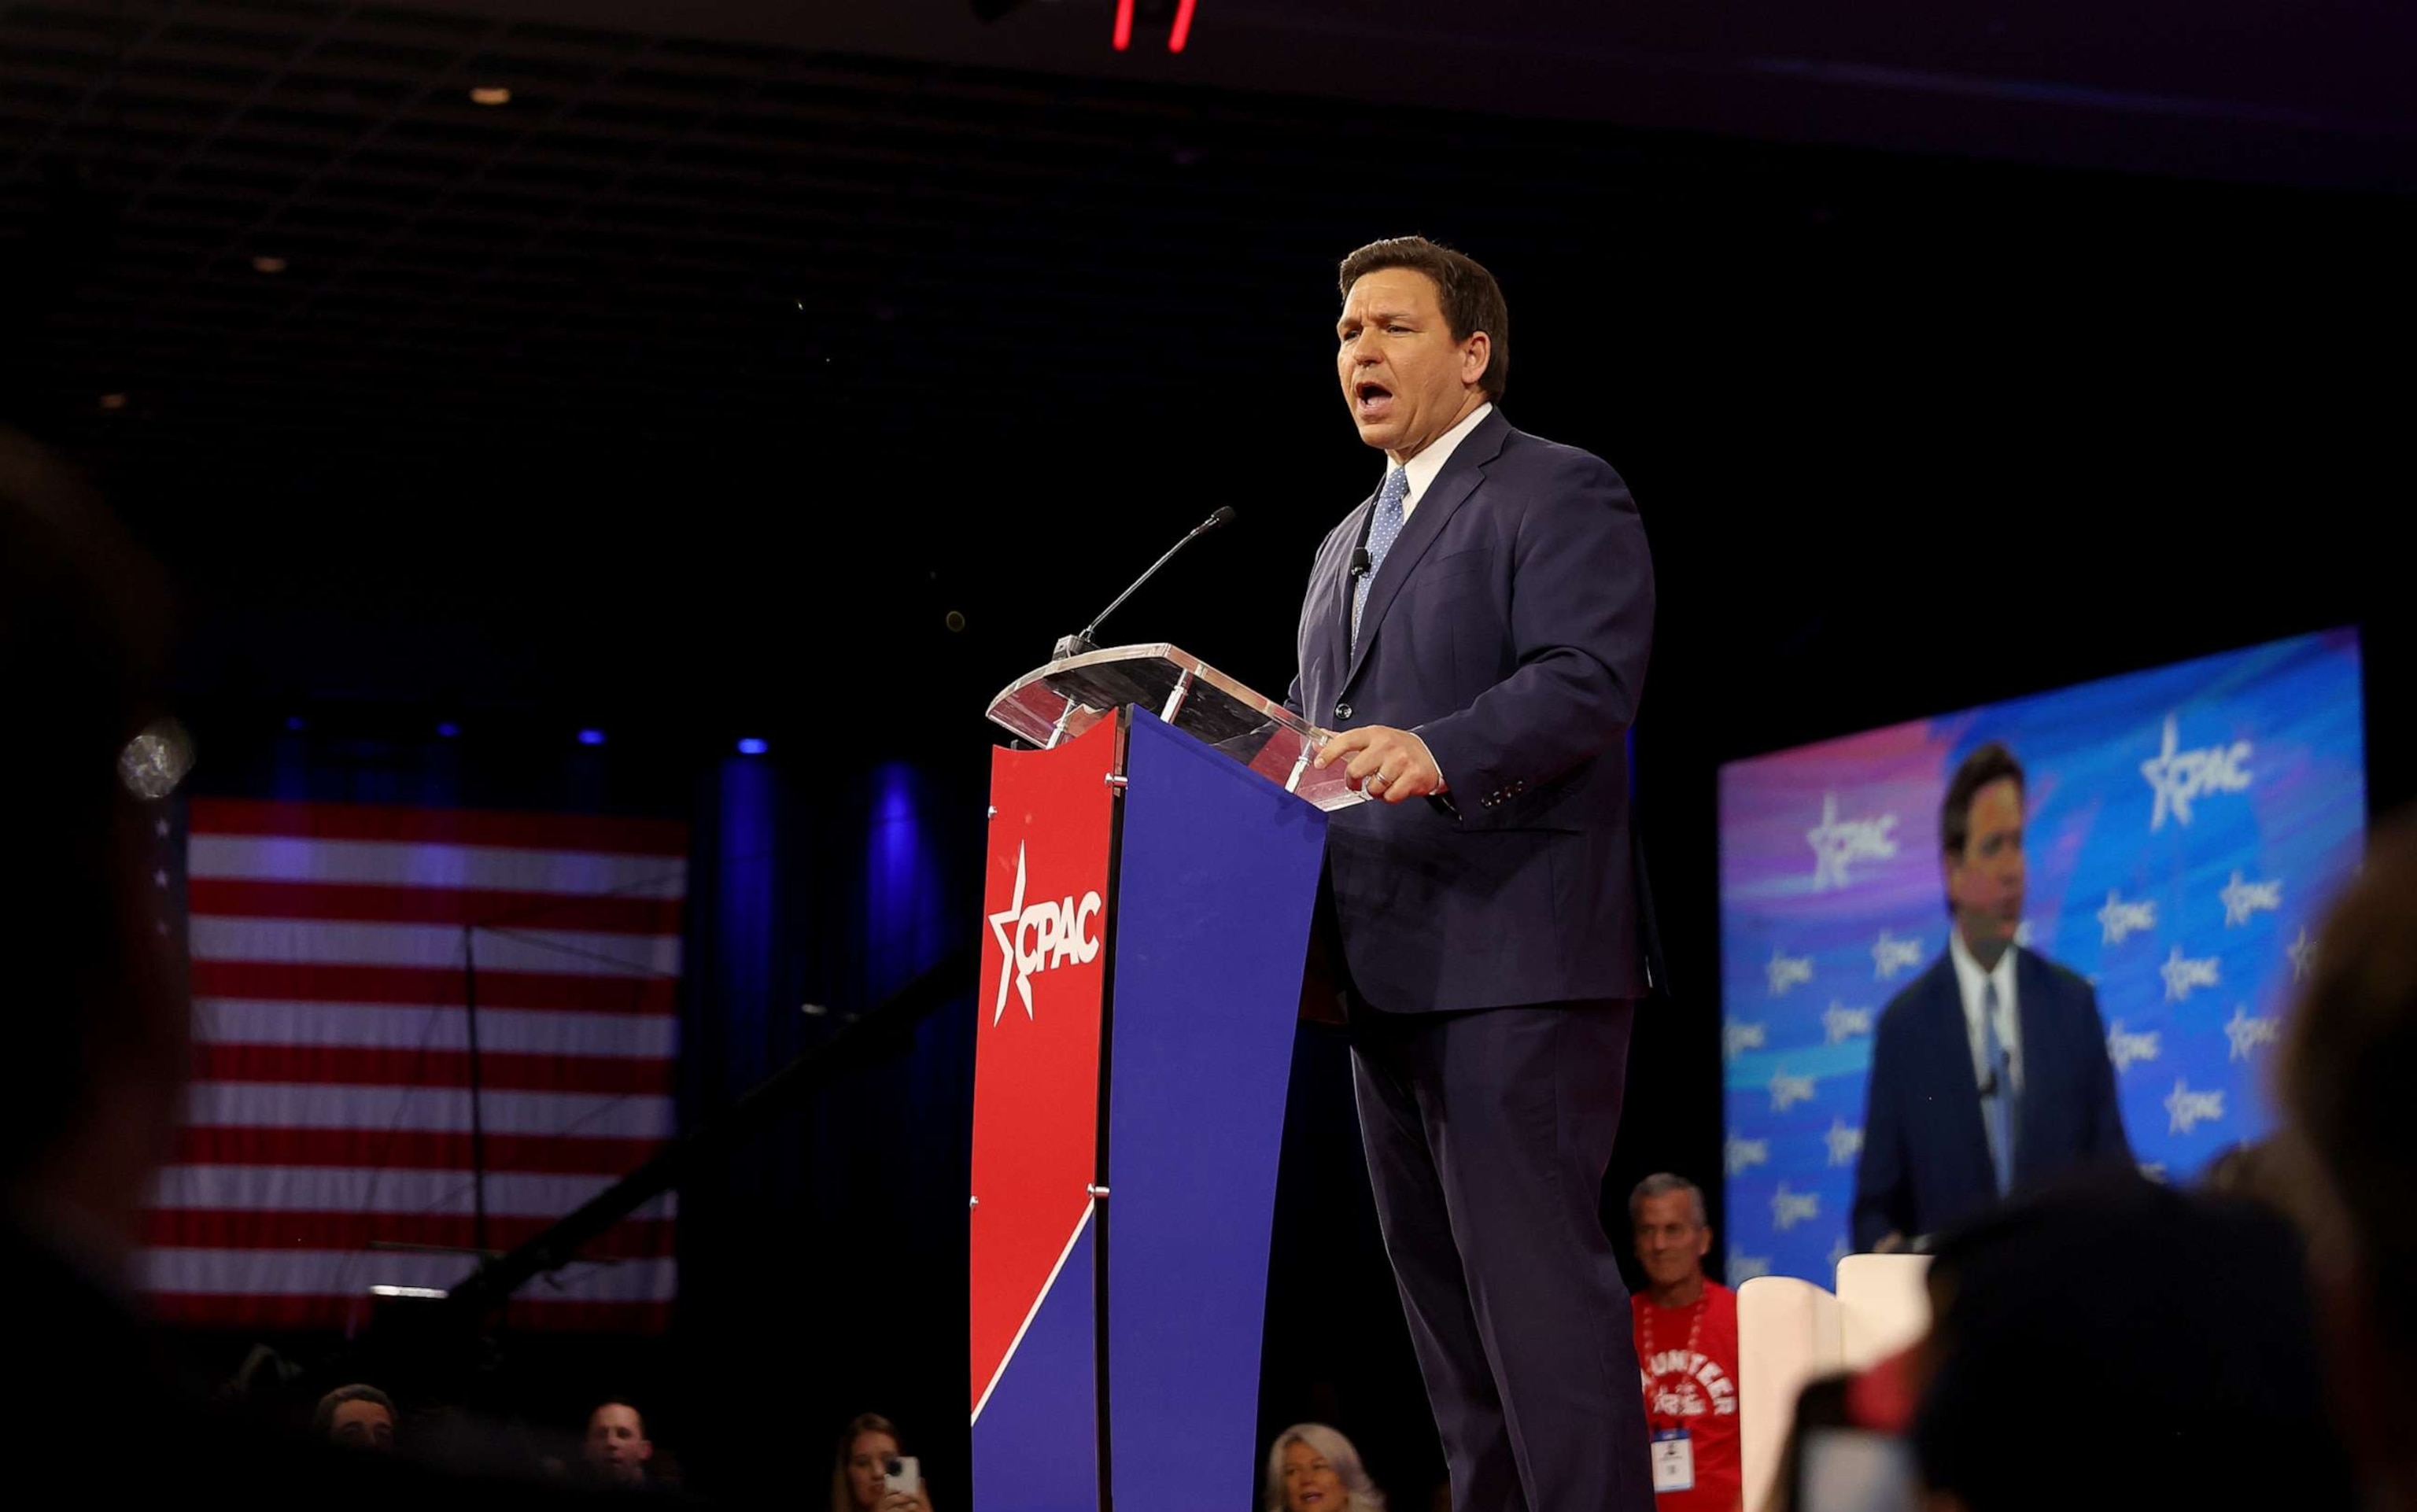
1992 763
1471 300
322 1417
82 640
2194 1314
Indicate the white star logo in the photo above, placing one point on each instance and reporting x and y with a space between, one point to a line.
1845 1144
2304 955
1000 923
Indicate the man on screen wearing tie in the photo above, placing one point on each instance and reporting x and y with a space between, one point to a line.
1990 1070
1476 634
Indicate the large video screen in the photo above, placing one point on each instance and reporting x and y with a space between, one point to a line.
2185 828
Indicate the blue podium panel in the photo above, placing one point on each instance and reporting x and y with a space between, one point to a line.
1218 875
1036 1442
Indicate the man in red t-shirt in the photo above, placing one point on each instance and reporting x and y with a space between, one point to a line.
1687 1347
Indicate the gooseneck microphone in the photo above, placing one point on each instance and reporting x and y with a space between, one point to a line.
1080 641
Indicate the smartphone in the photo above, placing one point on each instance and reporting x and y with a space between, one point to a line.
902 1474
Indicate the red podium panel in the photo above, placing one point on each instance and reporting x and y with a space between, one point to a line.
1037 1081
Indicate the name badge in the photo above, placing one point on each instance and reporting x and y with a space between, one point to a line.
1674 1461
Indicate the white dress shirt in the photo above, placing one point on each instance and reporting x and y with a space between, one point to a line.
1969 976
1424 467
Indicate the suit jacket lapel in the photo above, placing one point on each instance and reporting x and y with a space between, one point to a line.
1951 1051
2032 983
1331 640
1449 491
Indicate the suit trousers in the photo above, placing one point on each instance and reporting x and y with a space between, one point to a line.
1487 1136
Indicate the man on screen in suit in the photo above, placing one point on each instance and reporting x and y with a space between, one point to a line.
1989 1071
1476 632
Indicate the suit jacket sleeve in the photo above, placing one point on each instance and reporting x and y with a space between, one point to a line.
2106 1138
1883 1195
1581 628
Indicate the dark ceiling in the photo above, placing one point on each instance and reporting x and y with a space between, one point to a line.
716 358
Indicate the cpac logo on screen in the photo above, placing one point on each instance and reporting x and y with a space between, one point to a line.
1744 1268
1845 1144
1036 938
2127 1050
2243 899
2183 972
2247 1031
1788 1209
1838 844
1787 971
2186 1110
1740 1154
2119 920
2180 778
1738 1037
1840 1022
1890 954
1787 1091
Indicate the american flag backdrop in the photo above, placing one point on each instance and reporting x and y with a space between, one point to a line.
327 1143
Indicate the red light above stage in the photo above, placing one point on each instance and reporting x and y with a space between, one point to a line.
1176 35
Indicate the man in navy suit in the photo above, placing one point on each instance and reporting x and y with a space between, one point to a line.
1476 635
1990 1070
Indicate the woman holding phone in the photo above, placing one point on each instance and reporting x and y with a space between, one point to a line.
871 1476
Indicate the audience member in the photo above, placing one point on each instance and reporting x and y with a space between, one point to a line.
2349 1056
2111 1343
1687 1347
860 1472
355 1416
616 1444
1312 1468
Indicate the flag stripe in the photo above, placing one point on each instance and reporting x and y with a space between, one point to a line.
289 1105
458 826
337 1272
631 1239
575 873
532 1309
364 902
355 1066
381 1190
322 982
568 952
408 1148
377 1026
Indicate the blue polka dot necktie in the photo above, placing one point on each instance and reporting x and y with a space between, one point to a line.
1381 533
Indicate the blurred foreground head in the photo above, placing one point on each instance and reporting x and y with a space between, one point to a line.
2349 1059
2111 1343
95 1007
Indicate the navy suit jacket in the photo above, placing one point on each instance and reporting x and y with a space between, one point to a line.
1925 1161
1508 626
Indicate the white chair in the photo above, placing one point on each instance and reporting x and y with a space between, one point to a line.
1790 1332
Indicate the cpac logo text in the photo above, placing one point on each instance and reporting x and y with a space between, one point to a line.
1788 1209
1839 843
2183 972
1787 971
2186 1110
1841 1022
1046 935
2127 1050
2247 1031
2119 920
1846 1143
1742 1153
2182 777
1890 954
1738 1037
2242 897
1787 1091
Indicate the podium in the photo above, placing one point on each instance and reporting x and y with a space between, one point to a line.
1153 861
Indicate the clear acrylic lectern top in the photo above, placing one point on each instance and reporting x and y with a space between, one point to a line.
1065 698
